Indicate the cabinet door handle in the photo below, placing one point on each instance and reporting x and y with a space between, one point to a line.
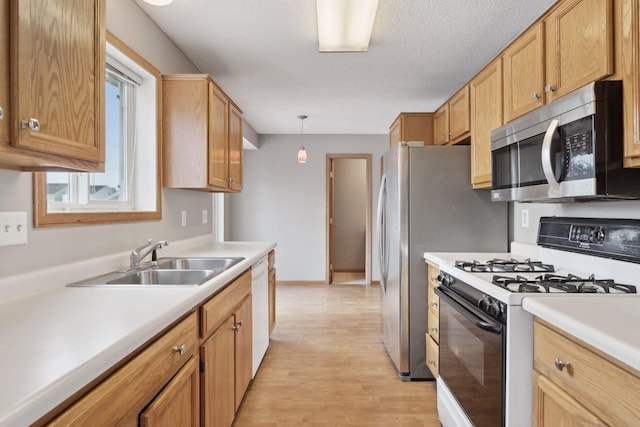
560 364
1 113
237 326
179 349
535 95
549 88
434 304
32 124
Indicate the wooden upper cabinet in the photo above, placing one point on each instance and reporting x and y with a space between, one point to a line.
451 121
628 36
441 125
4 75
202 135
54 114
219 137
579 45
523 65
235 148
412 127
486 115
459 125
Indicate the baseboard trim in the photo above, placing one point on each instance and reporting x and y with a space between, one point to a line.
300 282
313 282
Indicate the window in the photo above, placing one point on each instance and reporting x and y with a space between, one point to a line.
129 188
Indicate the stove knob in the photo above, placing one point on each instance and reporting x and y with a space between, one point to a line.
484 305
493 309
445 280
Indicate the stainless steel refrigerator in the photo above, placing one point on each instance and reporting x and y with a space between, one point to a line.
426 204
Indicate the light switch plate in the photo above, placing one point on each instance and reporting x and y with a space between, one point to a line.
13 228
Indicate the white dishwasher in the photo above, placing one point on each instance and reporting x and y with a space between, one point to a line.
260 311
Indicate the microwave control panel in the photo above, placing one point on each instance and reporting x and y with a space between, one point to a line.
579 157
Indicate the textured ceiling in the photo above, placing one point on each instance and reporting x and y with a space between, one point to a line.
264 54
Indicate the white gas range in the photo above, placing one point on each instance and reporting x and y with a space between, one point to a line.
486 338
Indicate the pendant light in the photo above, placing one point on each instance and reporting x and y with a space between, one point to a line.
302 153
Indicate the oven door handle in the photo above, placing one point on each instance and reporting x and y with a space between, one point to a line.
467 310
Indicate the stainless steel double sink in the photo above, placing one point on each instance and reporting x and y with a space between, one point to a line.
165 272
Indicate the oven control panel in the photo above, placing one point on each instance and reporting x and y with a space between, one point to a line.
594 234
608 238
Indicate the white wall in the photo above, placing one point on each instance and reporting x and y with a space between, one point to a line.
56 245
285 202
350 214
614 209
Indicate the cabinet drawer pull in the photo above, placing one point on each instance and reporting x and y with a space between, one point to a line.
434 304
32 124
549 88
561 364
535 95
180 349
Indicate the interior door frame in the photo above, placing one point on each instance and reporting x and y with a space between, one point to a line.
330 157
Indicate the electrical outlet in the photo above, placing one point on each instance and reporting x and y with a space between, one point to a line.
183 220
525 218
205 216
13 228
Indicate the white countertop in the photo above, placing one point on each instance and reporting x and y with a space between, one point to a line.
55 340
608 323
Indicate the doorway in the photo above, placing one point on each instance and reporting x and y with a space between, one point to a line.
348 218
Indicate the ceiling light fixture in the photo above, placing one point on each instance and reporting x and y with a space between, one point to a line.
158 2
345 25
302 153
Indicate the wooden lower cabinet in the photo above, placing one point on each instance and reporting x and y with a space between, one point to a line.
433 321
243 346
178 405
225 352
575 384
123 396
218 378
195 373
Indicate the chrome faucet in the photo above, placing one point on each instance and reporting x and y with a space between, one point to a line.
138 254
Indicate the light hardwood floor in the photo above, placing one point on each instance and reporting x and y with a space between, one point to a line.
326 366
348 278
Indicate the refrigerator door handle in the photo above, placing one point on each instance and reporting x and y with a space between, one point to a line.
382 232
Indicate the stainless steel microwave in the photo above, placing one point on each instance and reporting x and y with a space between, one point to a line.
568 150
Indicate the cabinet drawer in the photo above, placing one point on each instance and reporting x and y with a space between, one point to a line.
433 300
122 396
433 325
217 309
433 356
608 389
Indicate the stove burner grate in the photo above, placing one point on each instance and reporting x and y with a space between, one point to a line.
504 265
570 283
